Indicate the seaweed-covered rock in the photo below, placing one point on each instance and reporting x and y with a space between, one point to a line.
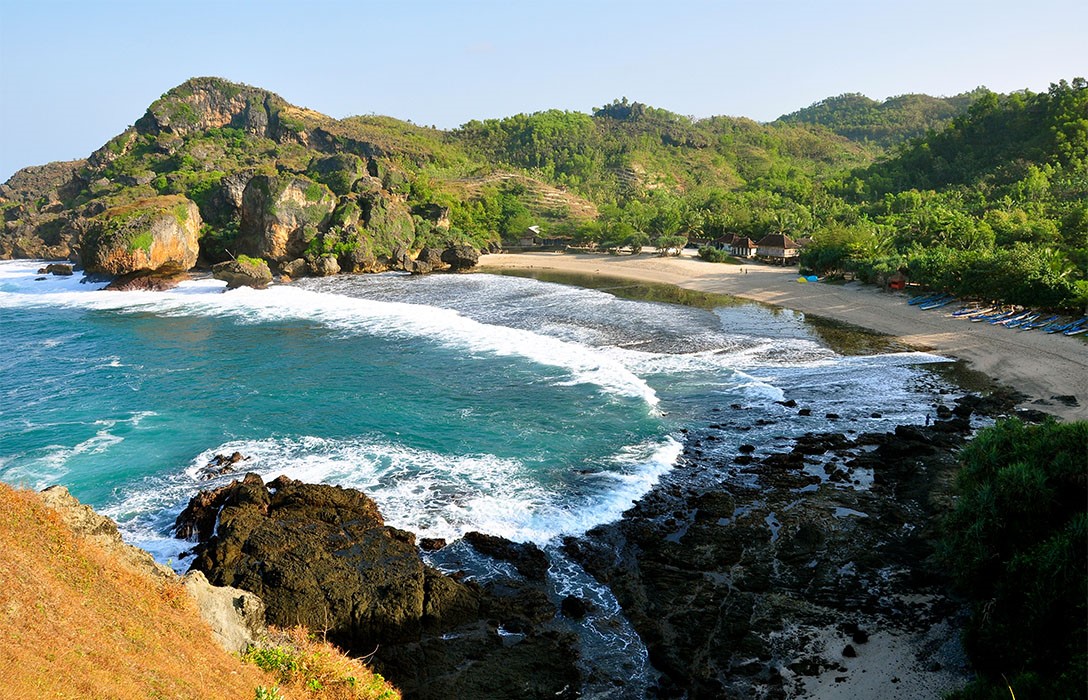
157 234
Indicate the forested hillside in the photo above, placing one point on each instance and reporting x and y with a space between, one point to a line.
987 199
887 123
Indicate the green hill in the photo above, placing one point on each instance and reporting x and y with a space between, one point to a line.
878 185
884 124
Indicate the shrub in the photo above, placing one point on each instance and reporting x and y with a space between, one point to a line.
712 254
1015 545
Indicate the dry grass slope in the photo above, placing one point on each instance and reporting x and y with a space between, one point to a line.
76 623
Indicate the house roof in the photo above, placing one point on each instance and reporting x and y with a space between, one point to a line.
739 242
777 240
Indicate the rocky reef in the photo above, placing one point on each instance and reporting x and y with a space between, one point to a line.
322 556
771 572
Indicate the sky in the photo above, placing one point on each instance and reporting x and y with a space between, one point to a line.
75 73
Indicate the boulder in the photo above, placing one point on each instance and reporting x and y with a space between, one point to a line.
151 235
243 272
460 257
280 215
294 268
145 281
59 269
323 557
323 266
432 257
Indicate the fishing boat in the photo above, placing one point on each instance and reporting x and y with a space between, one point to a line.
1077 327
1039 323
1017 322
998 314
971 310
937 303
926 298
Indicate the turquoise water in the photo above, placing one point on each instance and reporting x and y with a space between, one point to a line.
459 402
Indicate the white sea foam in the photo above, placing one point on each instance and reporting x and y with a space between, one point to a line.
431 494
341 313
48 465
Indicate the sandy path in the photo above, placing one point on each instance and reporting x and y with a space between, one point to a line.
1039 365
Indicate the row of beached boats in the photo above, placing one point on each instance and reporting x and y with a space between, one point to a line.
997 315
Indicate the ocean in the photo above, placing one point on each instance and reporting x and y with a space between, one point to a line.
519 407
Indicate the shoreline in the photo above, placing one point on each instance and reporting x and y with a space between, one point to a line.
1038 365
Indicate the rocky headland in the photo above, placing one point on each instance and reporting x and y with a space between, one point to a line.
215 172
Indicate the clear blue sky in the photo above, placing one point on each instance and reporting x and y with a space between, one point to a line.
75 73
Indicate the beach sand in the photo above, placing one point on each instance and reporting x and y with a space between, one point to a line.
1039 365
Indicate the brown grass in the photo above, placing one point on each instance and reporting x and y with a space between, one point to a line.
76 623
304 664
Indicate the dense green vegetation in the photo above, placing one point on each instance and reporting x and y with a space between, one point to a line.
993 207
983 195
1016 545
887 123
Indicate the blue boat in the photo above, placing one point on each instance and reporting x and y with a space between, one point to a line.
997 315
1019 321
1077 327
971 310
1039 323
925 298
937 303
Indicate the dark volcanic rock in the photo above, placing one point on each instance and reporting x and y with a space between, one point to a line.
527 558
322 556
733 580
145 282
59 269
460 257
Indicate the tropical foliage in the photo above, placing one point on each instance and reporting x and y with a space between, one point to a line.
1016 546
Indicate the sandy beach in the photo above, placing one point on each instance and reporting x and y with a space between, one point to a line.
1039 365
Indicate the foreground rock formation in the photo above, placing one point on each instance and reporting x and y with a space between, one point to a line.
322 556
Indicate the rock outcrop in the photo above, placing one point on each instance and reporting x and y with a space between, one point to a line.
235 616
281 215
460 257
152 235
738 570
322 556
243 272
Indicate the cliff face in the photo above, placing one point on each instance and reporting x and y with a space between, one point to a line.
257 175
